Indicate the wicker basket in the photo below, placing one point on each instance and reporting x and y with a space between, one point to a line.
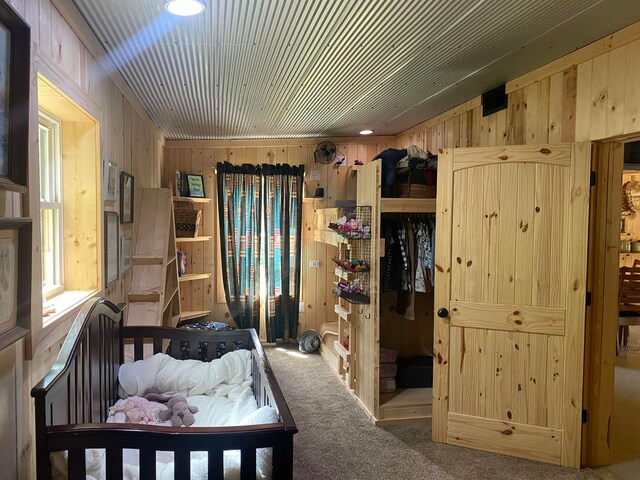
415 190
415 181
187 222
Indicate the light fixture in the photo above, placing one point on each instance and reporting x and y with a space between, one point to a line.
184 8
366 132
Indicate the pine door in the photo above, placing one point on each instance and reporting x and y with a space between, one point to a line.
510 299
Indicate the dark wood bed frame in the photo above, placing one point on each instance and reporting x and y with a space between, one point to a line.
72 402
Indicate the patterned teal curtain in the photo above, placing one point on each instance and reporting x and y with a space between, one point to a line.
283 228
239 213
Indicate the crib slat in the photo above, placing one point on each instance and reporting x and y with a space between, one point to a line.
193 349
138 345
147 464
76 465
248 463
215 468
182 464
114 463
157 345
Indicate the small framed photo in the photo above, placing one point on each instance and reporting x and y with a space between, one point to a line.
111 263
15 279
110 181
126 253
126 198
195 185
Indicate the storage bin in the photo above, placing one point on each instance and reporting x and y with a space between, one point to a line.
416 372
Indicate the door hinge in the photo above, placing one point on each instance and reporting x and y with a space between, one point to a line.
588 299
585 416
592 179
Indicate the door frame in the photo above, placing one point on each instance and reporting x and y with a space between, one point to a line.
602 315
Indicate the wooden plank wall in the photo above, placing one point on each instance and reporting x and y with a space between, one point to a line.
590 94
202 156
67 57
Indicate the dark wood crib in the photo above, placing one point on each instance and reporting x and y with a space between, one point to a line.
72 401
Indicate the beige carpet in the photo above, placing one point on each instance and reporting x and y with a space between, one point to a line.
336 440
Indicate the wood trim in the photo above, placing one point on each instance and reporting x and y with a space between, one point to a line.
599 47
536 443
407 205
576 253
444 219
601 316
518 318
558 154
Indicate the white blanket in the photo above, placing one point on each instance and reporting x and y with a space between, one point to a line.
227 376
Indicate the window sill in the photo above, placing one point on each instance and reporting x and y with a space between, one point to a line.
56 326
67 303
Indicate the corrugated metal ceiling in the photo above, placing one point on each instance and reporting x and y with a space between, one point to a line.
286 69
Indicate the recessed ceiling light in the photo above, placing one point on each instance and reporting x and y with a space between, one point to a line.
366 132
184 8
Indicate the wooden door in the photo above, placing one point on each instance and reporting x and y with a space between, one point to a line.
511 256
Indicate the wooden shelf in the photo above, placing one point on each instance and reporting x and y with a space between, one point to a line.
188 315
408 205
192 199
405 405
328 236
342 313
193 239
343 352
193 276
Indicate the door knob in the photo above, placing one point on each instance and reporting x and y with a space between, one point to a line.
443 312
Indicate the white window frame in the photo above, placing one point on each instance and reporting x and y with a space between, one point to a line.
54 202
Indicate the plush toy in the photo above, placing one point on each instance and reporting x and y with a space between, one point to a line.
135 410
179 412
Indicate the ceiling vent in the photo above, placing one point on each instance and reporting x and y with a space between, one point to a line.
494 100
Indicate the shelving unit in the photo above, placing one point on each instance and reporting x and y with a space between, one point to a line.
153 293
369 330
189 245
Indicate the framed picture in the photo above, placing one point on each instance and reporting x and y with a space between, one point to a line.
126 253
15 279
111 264
110 181
195 185
15 46
126 198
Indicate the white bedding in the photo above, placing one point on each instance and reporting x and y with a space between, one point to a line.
221 391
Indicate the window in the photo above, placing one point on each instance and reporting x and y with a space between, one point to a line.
51 206
69 208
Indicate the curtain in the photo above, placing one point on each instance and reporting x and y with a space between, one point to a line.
283 227
239 214
254 201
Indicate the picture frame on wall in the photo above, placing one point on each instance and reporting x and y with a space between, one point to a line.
111 244
126 197
126 253
110 180
15 279
15 47
195 185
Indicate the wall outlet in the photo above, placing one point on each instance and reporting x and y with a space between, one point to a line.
301 306
314 263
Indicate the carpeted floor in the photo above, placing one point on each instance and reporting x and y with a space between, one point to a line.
336 440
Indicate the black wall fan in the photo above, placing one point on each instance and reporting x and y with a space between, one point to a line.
325 153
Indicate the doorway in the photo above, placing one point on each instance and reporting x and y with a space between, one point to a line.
612 383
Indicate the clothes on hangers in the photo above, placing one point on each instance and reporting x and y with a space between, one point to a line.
408 264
